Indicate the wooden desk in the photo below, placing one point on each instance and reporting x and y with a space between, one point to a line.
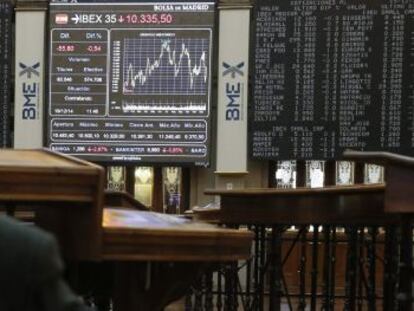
399 176
164 253
69 190
123 199
359 205
145 236
362 204
398 200
157 256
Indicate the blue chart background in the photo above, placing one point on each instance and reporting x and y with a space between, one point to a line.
162 80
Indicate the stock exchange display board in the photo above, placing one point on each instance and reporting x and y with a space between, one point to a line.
330 75
6 52
131 81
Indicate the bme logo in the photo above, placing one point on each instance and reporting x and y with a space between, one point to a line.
30 91
233 70
233 91
29 70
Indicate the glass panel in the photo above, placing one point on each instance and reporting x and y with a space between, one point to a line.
344 173
315 174
116 178
144 182
373 174
285 174
171 177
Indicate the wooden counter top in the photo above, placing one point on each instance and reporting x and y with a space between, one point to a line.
332 205
329 190
137 235
69 197
46 176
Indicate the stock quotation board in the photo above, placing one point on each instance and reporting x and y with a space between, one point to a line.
331 75
131 81
6 45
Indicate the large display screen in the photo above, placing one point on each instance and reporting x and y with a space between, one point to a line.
330 75
131 81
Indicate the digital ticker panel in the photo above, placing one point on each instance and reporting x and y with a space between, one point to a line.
331 75
6 25
131 81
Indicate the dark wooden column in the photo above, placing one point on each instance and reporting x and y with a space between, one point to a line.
157 191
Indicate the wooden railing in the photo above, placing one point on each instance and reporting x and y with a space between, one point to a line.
351 248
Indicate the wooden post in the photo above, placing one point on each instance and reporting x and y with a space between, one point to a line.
157 191
185 189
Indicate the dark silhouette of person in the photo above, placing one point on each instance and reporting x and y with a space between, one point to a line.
31 271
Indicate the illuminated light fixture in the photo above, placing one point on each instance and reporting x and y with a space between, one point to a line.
143 174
